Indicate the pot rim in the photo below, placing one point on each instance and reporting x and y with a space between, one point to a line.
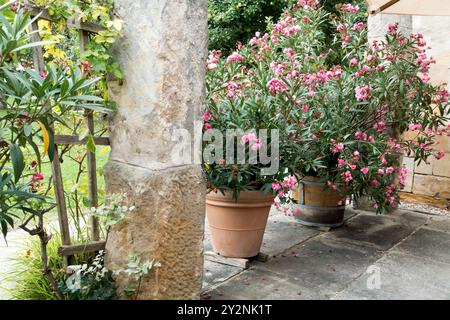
246 198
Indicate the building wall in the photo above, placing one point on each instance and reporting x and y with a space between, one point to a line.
427 182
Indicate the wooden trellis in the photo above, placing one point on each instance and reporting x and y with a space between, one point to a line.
67 249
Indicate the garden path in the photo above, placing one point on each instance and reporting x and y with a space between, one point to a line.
408 252
8 251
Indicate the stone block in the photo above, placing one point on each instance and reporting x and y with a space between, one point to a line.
166 225
432 186
442 167
443 143
409 164
163 91
423 168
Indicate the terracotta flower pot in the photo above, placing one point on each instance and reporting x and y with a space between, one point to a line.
237 228
318 207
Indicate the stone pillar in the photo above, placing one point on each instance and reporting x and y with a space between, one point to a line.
162 54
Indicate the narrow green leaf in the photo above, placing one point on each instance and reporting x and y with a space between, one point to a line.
17 161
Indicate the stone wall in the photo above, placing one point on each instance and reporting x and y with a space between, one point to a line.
427 182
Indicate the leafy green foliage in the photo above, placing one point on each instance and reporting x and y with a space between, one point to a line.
90 282
112 212
32 104
231 21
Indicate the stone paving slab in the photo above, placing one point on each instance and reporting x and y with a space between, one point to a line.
438 223
215 273
379 231
428 244
283 232
257 284
403 277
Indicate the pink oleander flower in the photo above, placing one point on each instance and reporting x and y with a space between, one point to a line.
207 116
415 126
331 185
291 181
389 170
425 78
289 52
362 93
234 89
341 27
381 171
43 75
337 148
347 176
305 107
235 57
276 186
365 170
296 211
341 163
213 59
249 137
392 28
37 177
208 126
403 174
440 154
276 85
359 26
350 8
256 144
308 4
353 62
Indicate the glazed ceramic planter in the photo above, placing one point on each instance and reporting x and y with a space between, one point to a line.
318 207
237 228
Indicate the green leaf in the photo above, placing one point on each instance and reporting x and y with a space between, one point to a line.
27 129
17 161
33 44
90 143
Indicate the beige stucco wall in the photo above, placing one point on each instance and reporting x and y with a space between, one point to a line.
432 179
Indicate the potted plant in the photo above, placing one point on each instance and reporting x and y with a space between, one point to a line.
341 107
239 180
346 120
